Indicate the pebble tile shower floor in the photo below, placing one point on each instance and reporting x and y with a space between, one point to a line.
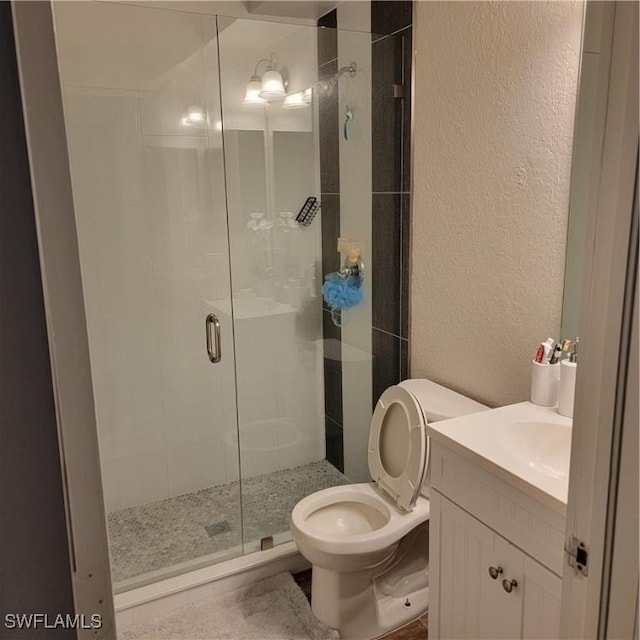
161 534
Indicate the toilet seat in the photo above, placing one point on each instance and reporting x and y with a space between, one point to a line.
398 446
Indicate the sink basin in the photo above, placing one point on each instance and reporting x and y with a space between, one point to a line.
543 446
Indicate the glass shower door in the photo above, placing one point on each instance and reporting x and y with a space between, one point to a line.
272 163
142 109
186 190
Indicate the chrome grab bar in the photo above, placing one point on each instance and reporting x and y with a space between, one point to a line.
214 356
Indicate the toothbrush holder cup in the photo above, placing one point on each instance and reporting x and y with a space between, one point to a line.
545 378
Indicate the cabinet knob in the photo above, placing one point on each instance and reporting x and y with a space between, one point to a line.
509 585
494 572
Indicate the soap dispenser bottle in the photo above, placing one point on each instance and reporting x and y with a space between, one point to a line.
567 390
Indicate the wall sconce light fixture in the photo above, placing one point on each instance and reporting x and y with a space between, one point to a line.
270 86
298 100
252 93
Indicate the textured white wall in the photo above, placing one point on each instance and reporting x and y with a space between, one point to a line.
494 111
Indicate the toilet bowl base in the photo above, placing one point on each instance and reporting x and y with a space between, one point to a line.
352 604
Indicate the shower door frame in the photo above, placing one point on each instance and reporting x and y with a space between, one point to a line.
65 314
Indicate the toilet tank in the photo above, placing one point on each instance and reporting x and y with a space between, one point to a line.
439 403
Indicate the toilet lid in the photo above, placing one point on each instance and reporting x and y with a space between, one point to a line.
398 447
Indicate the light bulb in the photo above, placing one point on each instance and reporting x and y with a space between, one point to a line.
252 94
295 101
272 85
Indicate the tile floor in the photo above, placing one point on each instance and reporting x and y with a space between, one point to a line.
416 630
161 534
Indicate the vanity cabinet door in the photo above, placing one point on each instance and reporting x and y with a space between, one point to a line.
466 602
541 606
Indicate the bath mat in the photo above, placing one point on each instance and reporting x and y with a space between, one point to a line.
272 609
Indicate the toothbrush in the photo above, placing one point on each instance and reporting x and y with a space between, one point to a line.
557 352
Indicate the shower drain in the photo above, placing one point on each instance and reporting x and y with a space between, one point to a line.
217 528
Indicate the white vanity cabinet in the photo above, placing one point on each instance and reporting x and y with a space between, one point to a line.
495 555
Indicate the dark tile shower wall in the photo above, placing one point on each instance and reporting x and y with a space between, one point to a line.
389 16
391 118
330 217
391 26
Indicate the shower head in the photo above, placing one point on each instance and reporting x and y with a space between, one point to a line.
351 70
324 87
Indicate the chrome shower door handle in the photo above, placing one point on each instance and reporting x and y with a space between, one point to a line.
214 350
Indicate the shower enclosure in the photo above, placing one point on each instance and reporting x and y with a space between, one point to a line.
202 292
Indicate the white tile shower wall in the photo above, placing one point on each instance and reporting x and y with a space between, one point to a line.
149 197
271 166
249 136
298 53
245 42
354 15
355 224
279 406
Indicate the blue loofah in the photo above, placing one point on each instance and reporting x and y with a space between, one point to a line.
341 293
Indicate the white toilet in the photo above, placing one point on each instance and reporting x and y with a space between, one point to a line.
369 543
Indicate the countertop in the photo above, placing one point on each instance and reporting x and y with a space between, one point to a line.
494 440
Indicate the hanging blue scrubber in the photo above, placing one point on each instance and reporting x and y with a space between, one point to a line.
340 292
